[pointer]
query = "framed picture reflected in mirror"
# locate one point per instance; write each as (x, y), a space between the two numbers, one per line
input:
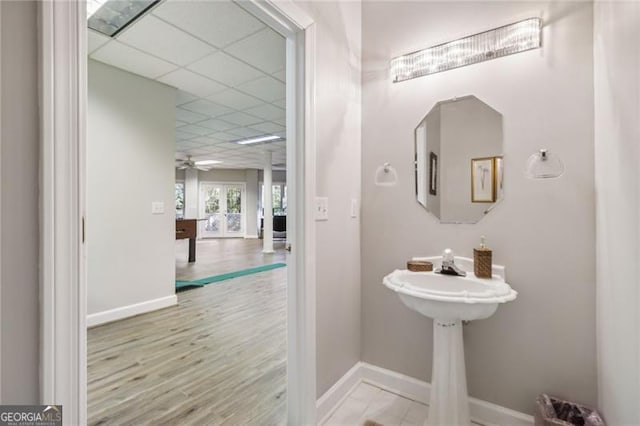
(483, 180)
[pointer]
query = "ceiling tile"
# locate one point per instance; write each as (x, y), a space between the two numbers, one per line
(217, 22)
(183, 145)
(165, 41)
(188, 116)
(264, 50)
(280, 75)
(266, 88)
(282, 103)
(245, 132)
(184, 97)
(95, 40)
(225, 136)
(234, 99)
(268, 127)
(127, 58)
(198, 130)
(266, 112)
(180, 123)
(182, 135)
(225, 69)
(241, 119)
(217, 125)
(208, 140)
(281, 121)
(191, 82)
(202, 106)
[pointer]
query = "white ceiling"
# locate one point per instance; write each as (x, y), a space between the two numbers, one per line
(228, 68)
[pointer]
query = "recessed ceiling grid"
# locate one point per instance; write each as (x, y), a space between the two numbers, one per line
(228, 68)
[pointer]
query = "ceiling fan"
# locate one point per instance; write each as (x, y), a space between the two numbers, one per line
(188, 163)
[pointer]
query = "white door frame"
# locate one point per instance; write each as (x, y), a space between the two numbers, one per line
(243, 208)
(63, 96)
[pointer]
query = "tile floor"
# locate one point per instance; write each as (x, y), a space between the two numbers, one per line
(367, 402)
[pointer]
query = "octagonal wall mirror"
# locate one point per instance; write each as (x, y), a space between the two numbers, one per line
(459, 160)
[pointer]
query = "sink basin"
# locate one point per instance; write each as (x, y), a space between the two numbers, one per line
(449, 300)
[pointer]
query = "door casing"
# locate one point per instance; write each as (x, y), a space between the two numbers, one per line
(63, 102)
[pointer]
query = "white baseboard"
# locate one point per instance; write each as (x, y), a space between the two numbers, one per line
(482, 412)
(250, 237)
(131, 310)
(331, 399)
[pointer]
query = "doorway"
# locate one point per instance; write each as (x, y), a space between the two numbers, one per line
(222, 206)
(63, 98)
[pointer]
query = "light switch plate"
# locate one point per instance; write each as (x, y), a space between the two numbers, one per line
(354, 207)
(322, 208)
(157, 207)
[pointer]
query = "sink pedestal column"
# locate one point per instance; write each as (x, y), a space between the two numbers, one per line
(449, 404)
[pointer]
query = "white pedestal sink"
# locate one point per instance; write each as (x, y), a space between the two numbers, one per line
(449, 300)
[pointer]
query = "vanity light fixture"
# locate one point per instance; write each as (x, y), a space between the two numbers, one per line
(513, 38)
(110, 17)
(544, 165)
(259, 139)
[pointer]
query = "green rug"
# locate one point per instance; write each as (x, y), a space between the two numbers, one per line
(229, 275)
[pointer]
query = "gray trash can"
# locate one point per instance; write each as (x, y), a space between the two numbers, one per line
(551, 411)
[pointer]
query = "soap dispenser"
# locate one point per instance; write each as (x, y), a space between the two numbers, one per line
(482, 260)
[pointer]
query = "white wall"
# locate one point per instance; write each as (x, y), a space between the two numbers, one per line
(617, 138)
(130, 164)
(543, 231)
(338, 151)
(19, 322)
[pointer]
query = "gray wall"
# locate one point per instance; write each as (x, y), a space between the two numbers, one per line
(543, 231)
(338, 153)
(617, 136)
(19, 188)
(130, 251)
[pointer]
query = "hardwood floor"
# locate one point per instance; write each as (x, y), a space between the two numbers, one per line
(219, 357)
(219, 256)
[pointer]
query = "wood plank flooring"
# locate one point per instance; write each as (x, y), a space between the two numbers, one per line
(219, 357)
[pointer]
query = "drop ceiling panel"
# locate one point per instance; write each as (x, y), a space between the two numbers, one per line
(245, 132)
(191, 82)
(223, 68)
(241, 119)
(217, 125)
(234, 99)
(127, 58)
(165, 41)
(184, 97)
(266, 112)
(208, 108)
(266, 88)
(281, 75)
(228, 68)
(95, 40)
(198, 130)
(217, 22)
(188, 116)
(264, 50)
(268, 127)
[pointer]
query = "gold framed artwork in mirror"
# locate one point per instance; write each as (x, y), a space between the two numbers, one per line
(483, 180)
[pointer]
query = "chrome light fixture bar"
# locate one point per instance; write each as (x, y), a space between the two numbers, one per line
(259, 139)
(513, 38)
(110, 17)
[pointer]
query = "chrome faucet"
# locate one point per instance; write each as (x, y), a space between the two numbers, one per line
(448, 265)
